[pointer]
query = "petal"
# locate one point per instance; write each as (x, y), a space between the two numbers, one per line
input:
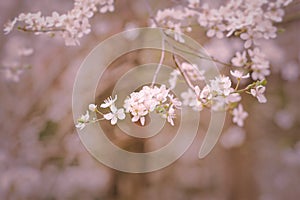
(104, 105)
(92, 107)
(113, 108)
(108, 116)
(261, 98)
(121, 114)
(210, 33)
(135, 118)
(248, 44)
(114, 120)
(253, 92)
(142, 119)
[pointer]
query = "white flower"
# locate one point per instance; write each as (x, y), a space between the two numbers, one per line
(114, 115)
(260, 71)
(139, 114)
(108, 102)
(92, 107)
(260, 66)
(170, 115)
(239, 74)
(188, 96)
(175, 101)
(239, 115)
(107, 6)
(196, 104)
(258, 92)
(216, 30)
(251, 37)
(206, 93)
(221, 85)
(240, 59)
(233, 97)
(82, 121)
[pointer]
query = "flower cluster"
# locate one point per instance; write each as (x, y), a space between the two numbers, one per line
(219, 95)
(248, 19)
(71, 26)
(177, 20)
(150, 99)
(139, 105)
(255, 59)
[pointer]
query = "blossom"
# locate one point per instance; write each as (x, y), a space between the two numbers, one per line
(239, 115)
(82, 121)
(188, 96)
(260, 71)
(239, 74)
(108, 102)
(217, 31)
(205, 94)
(92, 107)
(240, 59)
(139, 114)
(174, 101)
(221, 85)
(258, 92)
(250, 37)
(106, 6)
(233, 97)
(171, 115)
(114, 115)
(260, 66)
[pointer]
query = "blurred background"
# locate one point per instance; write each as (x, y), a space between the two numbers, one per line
(41, 156)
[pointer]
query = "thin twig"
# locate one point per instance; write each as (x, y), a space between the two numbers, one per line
(40, 31)
(160, 62)
(185, 76)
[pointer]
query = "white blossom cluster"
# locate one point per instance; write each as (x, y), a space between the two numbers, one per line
(255, 59)
(139, 105)
(71, 26)
(248, 19)
(219, 94)
(150, 99)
